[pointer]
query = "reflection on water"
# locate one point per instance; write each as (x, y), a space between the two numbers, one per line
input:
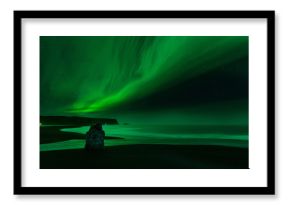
(153, 134)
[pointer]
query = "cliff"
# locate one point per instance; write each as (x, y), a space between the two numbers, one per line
(72, 120)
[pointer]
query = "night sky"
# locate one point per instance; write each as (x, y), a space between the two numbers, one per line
(151, 79)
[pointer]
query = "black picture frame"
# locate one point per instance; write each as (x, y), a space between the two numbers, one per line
(268, 15)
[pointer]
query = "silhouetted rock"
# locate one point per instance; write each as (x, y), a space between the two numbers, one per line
(95, 138)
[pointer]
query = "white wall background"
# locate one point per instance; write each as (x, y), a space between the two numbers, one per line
(282, 98)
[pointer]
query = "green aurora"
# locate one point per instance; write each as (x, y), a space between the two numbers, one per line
(146, 79)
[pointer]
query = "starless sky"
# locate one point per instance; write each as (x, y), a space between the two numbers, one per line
(146, 79)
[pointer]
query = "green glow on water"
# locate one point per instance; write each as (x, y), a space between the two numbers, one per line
(178, 135)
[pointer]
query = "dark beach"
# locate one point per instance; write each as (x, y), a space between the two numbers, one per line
(148, 157)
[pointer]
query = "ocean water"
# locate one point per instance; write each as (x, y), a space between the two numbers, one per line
(234, 136)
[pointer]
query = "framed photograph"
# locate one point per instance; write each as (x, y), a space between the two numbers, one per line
(144, 102)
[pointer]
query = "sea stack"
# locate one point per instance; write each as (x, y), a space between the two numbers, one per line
(95, 138)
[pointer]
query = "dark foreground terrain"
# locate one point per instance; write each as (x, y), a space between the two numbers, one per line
(148, 157)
